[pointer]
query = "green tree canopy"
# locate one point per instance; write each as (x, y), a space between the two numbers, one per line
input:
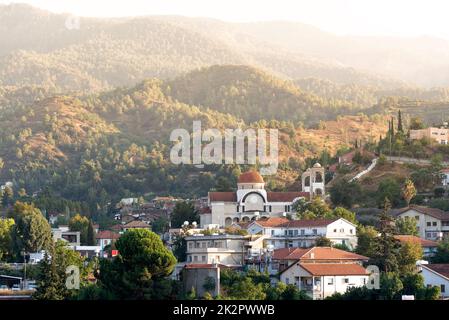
(32, 231)
(139, 270)
(184, 211)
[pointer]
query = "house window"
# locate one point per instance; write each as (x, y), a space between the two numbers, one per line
(197, 244)
(351, 231)
(269, 208)
(363, 281)
(428, 224)
(290, 244)
(189, 259)
(203, 258)
(290, 233)
(272, 232)
(190, 245)
(345, 280)
(287, 280)
(303, 232)
(335, 230)
(417, 218)
(295, 232)
(342, 230)
(443, 288)
(195, 258)
(330, 281)
(314, 231)
(434, 223)
(238, 208)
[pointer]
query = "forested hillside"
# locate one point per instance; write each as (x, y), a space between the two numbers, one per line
(38, 49)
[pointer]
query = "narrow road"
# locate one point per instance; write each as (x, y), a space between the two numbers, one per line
(366, 171)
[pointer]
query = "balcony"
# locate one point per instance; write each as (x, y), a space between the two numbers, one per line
(211, 250)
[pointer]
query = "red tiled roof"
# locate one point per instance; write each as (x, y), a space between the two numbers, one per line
(136, 224)
(223, 196)
(117, 227)
(276, 222)
(272, 196)
(289, 253)
(272, 222)
(205, 210)
(107, 235)
(250, 177)
(309, 223)
(433, 212)
(285, 196)
(334, 269)
(415, 239)
(441, 268)
(316, 253)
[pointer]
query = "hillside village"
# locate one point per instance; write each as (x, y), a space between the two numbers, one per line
(314, 243)
(92, 207)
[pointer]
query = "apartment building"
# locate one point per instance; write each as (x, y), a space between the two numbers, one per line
(432, 223)
(225, 249)
(285, 233)
(440, 135)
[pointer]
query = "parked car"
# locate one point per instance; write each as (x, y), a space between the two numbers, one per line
(4, 287)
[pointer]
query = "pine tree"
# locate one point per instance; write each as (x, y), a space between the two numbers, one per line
(48, 280)
(386, 247)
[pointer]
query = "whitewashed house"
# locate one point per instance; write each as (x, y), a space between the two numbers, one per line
(432, 223)
(436, 275)
(320, 271)
(285, 233)
(321, 280)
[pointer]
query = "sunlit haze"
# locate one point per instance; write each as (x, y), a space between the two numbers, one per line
(356, 17)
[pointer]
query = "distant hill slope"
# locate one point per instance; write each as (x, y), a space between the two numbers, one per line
(38, 49)
(253, 95)
(99, 148)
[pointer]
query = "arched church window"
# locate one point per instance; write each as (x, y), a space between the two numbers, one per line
(307, 181)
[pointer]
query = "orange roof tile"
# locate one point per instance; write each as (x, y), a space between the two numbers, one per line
(441, 268)
(276, 222)
(223, 196)
(415, 239)
(107, 235)
(334, 269)
(433, 212)
(316, 253)
(286, 196)
(136, 224)
(250, 177)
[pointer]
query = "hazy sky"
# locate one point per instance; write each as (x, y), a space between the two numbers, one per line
(373, 17)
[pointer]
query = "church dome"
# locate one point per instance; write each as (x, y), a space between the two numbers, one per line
(250, 177)
(317, 165)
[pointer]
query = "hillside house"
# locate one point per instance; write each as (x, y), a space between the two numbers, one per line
(432, 223)
(285, 233)
(437, 275)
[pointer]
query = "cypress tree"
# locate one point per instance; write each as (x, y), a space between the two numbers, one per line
(400, 127)
(90, 234)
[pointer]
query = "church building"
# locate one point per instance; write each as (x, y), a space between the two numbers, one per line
(251, 201)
